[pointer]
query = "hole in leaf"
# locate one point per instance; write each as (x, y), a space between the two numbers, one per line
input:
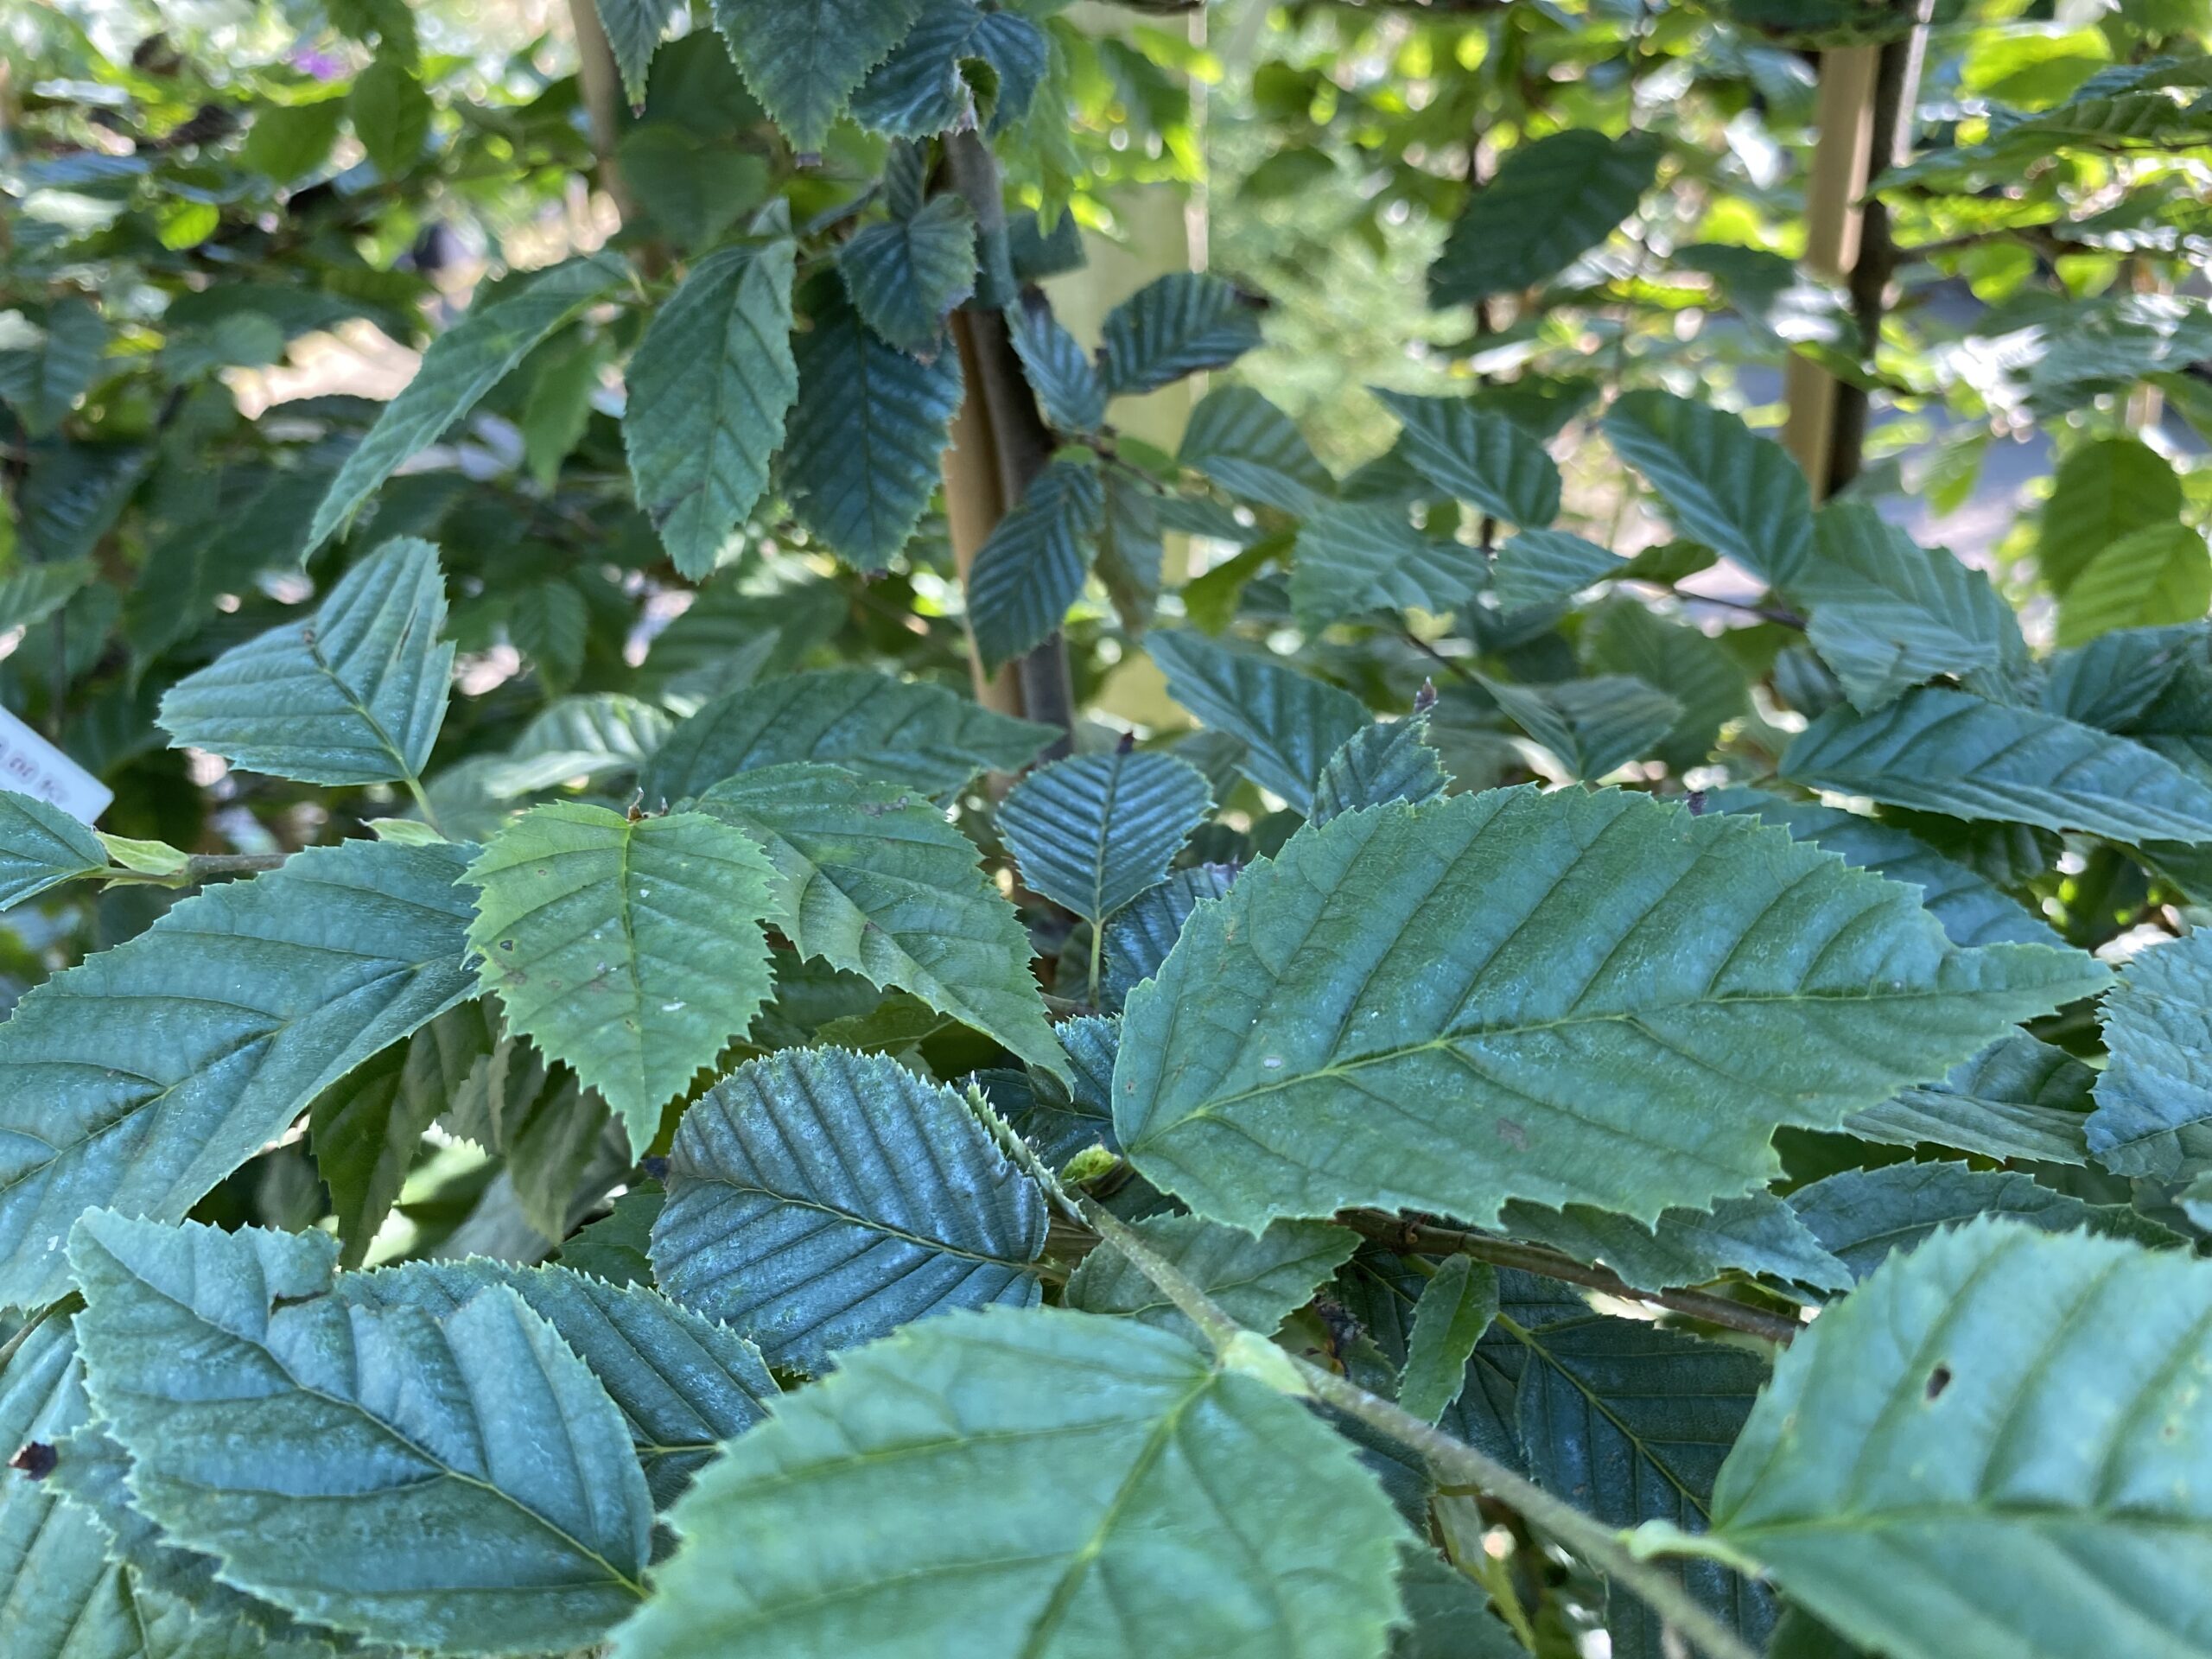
(1938, 1380)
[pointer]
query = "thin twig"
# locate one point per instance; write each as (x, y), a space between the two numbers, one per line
(1419, 1238)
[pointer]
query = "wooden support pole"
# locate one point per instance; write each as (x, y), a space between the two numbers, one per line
(1845, 110)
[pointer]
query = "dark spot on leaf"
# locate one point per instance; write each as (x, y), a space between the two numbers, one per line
(1512, 1133)
(1695, 802)
(275, 1302)
(1938, 1380)
(506, 944)
(37, 1459)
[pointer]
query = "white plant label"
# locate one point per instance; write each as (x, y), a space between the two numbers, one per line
(31, 765)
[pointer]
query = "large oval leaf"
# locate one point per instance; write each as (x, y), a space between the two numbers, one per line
(1094, 832)
(1551, 202)
(1115, 1493)
(1569, 998)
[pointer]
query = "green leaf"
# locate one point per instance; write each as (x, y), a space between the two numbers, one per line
(461, 366)
(819, 1198)
(1592, 727)
(1760, 1234)
(634, 28)
(217, 1358)
(2018, 1098)
(631, 949)
(1862, 1216)
(353, 694)
(2103, 491)
(550, 623)
(615, 1248)
(1092, 832)
(1254, 451)
(1391, 760)
(31, 593)
(1630, 1422)
(870, 424)
(59, 1598)
(1972, 908)
(1132, 553)
(1259, 1282)
(1551, 202)
(1139, 939)
(907, 274)
(1180, 324)
(2154, 1098)
(1889, 613)
(802, 59)
(1741, 495)
(321, 964)
(2117, 678)
(1076, 1450)
(2158, 574)
(691, 188)
(1451, 1317)
(1059, 370)
(905, 731)
(559, 407)
(1290, 724)
(1987, 1451)
(1034, 564)
(1943, 751)
(1353, 558)
(1568, 998)
(1539, 566)
(711, 388)
(41, 847)
(43, 381)
(1447, 1616)
(871, 879)
(367, 1127)
(1476, 454)
(918, 90)
(392, 115)
(682, 1382)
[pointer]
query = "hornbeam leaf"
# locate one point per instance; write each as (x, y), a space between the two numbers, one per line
(906, 731)
(871, 878)
(1972, 908)
(1451, 1317)
(1624, 636)
(1889, 613)
(2102, 492)
(354, 694)
(1391, 760)
(1760, 1234)
(1861, 1216)
(381, 1470)
(1258, 1283)
(1447, 1614)
(1591, 726)
(1567, 998)
(31, 593)
(246, 1002)
(2154, 1098)
(918, 90)
(870, 422)
(1254, 451)
(1477, 454)
(1034, 564)
(461, 366)
(1992, 1448)
(1112, 1498)
(59, 1596)
(1741, 495)
(907, 274)
(2117, 678)
(1539, 566)
(802, 59)
(41, 847)
(1139, 939)
(1553, 201)
(818, 1198)
(1059, 370)
(367, 1127)
(2018, 1098)
(1352, 559)
(1092, 832)
(634, 28)
(632, 949)
(1176, 324)
(2159, 574)
(1943, 751)
(1290, 724)
(682, 1383)
(1630, 1422)
(711, 387)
